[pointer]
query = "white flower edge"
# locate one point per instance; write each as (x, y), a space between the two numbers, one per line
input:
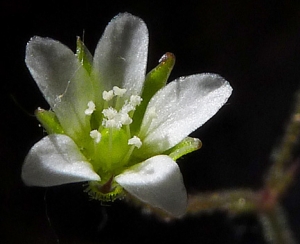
(56, 160)
(121, 54)
(59, 76)
(158, 182)
(120, 60)
(180, 108)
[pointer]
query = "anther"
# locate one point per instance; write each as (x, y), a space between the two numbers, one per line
(125, 119)
(107, 95)
(96, 135)
(91, 108)
(127, 108)
(111, 123)
(135, 141)
(135, 100)
(110, 113)
(119, 91)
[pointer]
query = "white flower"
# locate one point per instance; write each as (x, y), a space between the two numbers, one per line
(113, 126)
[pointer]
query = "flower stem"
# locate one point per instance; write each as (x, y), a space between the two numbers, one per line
(284, 164)
(276, 227)
(234, 201)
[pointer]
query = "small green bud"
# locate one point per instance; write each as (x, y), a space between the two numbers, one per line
(84, 55)
(49, 121)
(184, 147)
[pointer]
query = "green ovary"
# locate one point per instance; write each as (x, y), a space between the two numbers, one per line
(110, 152)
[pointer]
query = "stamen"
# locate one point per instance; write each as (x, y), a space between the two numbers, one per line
(107, 95)
(91, 108)
(125, 119)
(127, 108)
(135, 141)
(96, 135)
(110, 113)
(118, 91)
(135, 100)
(112, 123)
(112, 119)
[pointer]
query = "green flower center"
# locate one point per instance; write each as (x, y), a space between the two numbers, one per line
(111, 144)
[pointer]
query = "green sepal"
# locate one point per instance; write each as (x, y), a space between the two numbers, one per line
(157, 77)
(154, 81)
(184, 147)
(107, 192)
(49, 121)
(84, 56)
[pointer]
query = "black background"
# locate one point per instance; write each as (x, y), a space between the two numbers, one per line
(253, 44)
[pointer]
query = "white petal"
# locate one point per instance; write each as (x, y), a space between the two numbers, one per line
(121, 54)
(181, 107)
(56, 160)
(64, 83)
(158, 182)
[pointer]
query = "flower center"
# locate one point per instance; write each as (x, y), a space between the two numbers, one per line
(112, 143)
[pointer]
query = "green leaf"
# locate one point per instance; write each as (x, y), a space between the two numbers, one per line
(154, 81)
(84, 55)
(49, 121)
(184, 147)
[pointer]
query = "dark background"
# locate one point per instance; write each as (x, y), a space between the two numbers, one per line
(253, 44)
